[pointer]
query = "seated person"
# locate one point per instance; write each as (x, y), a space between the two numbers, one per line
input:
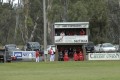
(82, 32)
(62, 34)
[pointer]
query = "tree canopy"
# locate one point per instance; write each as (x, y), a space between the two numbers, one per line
(24, 22)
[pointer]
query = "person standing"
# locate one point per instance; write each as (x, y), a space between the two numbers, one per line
(60, 57)
(75, 56)
(37, 56)
(70, 52)
(52, 55)
(66, 58)
(81, 56)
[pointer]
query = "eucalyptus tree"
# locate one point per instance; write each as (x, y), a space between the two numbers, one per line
(31, 21)
(91, 11)
(98, 18)
(36, 15)
(7, 23)
(114, 19)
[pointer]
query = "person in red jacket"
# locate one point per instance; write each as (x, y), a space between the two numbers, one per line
(81, 56)
(37, 56)
(82, 32)
(66, 58)
(75, 56)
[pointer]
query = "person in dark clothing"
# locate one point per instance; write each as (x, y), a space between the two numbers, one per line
(60, 57)
(70, 52)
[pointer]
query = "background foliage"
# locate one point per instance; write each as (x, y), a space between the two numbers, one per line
(24, 22)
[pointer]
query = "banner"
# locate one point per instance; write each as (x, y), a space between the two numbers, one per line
(104, 56)
(24, 54)
(71, 39)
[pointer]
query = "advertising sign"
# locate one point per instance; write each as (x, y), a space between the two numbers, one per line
(28, 54)
(18, 54)
(71, 39)
(24, 54)
(104, 56)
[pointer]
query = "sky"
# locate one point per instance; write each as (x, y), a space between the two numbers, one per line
(15, 1)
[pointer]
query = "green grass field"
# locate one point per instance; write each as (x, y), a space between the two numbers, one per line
(85, 70)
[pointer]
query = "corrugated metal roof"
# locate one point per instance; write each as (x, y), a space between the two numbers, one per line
(57, 23)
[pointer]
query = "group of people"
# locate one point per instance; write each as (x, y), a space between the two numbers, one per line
(75, 54)
(65, 55)
(78, 56)
(51, 53)
(72, 32)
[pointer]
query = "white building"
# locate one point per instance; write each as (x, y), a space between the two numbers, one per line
(70, 35)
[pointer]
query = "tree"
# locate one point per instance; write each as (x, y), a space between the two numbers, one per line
(7, 23)
(31, 29)
(103, 16)
(80, 11)
(114, 19)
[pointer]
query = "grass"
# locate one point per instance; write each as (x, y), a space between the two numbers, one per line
(85, 70)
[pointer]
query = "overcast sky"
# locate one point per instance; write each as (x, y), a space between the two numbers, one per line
(15, 1)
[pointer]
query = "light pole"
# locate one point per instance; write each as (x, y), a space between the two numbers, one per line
(17, 20)
(45, 31)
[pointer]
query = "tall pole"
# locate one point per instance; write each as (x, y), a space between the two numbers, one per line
(45, 30)
(17, 21)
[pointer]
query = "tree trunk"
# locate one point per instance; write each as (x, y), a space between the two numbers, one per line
(65, 10)
(32, 34)
(50, 27)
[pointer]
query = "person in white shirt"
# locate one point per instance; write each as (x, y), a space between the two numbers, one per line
(62, 34)
(52, 55)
